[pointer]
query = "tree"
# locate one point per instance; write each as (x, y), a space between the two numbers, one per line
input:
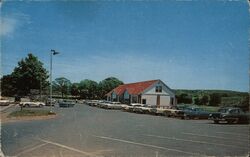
(184, 98)
(215, 99)
(107, 85)
(244, 104)
(75, 89)
(29, 74)
(7, 85)
(204, 100)
(88, 89)
(197, 101)
(62, 85)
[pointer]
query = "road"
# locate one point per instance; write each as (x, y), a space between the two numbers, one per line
(88, 131)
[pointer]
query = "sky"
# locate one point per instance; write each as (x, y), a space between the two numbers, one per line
(186, 44)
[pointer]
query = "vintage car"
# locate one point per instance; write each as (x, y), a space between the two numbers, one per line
(230, 115)
(4, 102)
(66, 103)
(32, 104)
(51, 102)
(173, 113)
(195, 113)
(132, 107)
(113, 105)
(145, 109)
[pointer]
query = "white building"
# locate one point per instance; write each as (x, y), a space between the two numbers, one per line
(153, 92)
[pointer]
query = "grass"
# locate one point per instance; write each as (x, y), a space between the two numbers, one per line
(25, 113)
(210, 108)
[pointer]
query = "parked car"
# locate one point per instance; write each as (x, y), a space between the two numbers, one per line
(103, 104)
(157, 111)
(113, 105)
(127, 108)
(145, 109)
(4, 102)
(53, 102)
(195, 113)
(32, 104)
(230, 115)
(131, 107)
(135, 107)
(173, 113)
(66, 103)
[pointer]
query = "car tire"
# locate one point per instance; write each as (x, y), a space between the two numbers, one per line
(216, 121)
(229, 121)
(237, 120)
(40, 105)
(26, 105)
(186, 116)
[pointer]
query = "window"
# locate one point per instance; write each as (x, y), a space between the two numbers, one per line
(158, 89)
(234, 111)
(143, 101)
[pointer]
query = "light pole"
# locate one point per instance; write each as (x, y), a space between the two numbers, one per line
(53, 52)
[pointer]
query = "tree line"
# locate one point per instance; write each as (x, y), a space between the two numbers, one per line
(215, 99)
(29, 74)
(85, 89)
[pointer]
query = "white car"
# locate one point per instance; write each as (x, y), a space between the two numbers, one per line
(32, 104)
(115, 106)
(130, 108)
(5, 102)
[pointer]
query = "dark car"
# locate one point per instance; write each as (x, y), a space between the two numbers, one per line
(66, 104)
(195, 113)
(230, 115)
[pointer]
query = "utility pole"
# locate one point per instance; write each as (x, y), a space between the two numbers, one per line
(53, 52)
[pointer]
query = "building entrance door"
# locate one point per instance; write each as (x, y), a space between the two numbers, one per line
(158, 101)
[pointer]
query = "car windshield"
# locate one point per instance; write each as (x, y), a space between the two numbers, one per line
(223, 110)
(198, 109)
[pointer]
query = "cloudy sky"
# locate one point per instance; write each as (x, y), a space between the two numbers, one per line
(188, 45)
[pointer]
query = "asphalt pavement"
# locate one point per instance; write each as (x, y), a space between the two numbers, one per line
(89, 131)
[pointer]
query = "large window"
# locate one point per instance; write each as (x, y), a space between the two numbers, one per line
(158, 89)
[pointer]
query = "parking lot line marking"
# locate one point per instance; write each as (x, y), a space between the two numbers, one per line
(101, 151)
(192, 134)
(67, 147)
(229, 133)
(147, 145)
(31, 149)
(194, 141)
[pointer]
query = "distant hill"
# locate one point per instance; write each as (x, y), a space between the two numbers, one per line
(199, 92)
(219, 98)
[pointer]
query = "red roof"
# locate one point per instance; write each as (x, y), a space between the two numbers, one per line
(133, 88)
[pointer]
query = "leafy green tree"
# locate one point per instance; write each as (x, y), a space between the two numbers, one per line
(244, 105)
(88, 89)
(107, 85)
(184, 98)
(29, 74)
(215, 99)
(75, 91)
(7, 86)
(204, 100)
(197, 101)
(62, 85)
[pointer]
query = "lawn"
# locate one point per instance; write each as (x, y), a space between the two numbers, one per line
(210, 108)
(23, 113)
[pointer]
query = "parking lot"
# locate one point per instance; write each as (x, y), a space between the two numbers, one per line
(88, 131)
